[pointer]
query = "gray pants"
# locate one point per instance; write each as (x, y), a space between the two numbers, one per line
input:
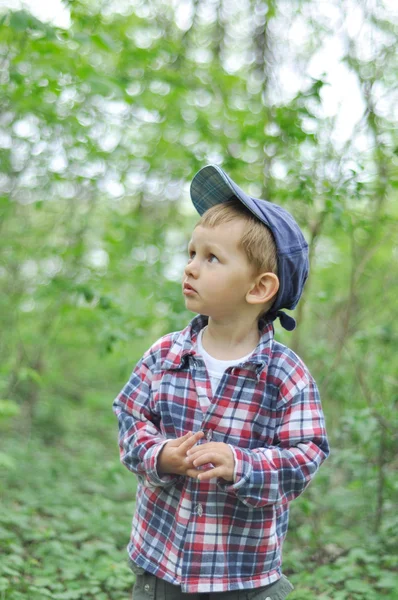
(149, 587)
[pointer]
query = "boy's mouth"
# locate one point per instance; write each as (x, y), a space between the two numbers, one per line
(188, 289)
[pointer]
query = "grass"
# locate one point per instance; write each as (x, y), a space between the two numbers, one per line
(65, 521)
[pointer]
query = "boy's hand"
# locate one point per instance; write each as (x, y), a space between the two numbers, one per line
(172, 458)
(218, 454)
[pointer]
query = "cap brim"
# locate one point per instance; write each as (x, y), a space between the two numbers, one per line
(211, 186)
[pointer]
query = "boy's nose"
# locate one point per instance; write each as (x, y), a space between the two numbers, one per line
(191, 268)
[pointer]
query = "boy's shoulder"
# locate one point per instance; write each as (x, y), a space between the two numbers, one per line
(160, 349)
(283, 357)
(168, 351)
(287, 371)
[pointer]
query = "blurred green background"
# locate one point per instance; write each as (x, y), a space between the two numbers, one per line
(104, 119)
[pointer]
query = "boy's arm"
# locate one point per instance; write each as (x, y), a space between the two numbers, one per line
(279, 473)
(140, 440)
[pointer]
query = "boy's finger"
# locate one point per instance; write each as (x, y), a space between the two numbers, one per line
(204, 459)
(210, 474)
(204, 448)
(191, 473)
(191, 441)
(178, 441)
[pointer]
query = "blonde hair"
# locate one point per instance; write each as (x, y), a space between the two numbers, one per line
(257, 241)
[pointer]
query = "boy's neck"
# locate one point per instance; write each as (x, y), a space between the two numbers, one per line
(230, 340)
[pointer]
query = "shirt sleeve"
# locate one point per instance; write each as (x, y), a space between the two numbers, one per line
(281, 472)
(140, 438)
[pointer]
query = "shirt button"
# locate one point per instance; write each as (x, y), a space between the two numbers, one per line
(147, 587)
(199, 510)
(209, 435)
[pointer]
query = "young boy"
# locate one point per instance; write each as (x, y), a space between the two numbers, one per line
(221, 423)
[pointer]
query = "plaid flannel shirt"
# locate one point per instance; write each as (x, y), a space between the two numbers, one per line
(216, 536)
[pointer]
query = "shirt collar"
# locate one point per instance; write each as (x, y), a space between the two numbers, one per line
(184, 345)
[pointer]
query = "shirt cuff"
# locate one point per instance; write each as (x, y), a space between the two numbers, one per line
(151, 464)
(242, 470)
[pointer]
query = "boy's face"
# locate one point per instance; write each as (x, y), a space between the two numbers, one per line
(218, 274)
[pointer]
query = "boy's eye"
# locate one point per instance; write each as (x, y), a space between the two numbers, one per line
(191, 254)
(213, 258)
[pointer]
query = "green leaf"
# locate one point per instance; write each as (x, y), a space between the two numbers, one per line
(20, 20)
(27, 373)
(358, 586)
(105, 303)
(388, 581)
(6, 461)
(105, 41)
(4, 584)
(8, 408)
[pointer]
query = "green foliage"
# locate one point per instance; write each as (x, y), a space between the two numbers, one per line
(102, 126)
(8, 408)
(64, 520)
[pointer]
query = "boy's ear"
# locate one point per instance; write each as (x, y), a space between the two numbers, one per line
(264, 288)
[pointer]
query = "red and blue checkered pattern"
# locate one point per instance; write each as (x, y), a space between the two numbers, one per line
(216, 536)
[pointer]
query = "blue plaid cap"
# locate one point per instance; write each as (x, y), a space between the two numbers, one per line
(211, 186)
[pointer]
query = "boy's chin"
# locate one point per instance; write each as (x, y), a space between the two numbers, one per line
(195, 311)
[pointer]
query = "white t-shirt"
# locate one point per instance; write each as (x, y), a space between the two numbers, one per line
(215, 367)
